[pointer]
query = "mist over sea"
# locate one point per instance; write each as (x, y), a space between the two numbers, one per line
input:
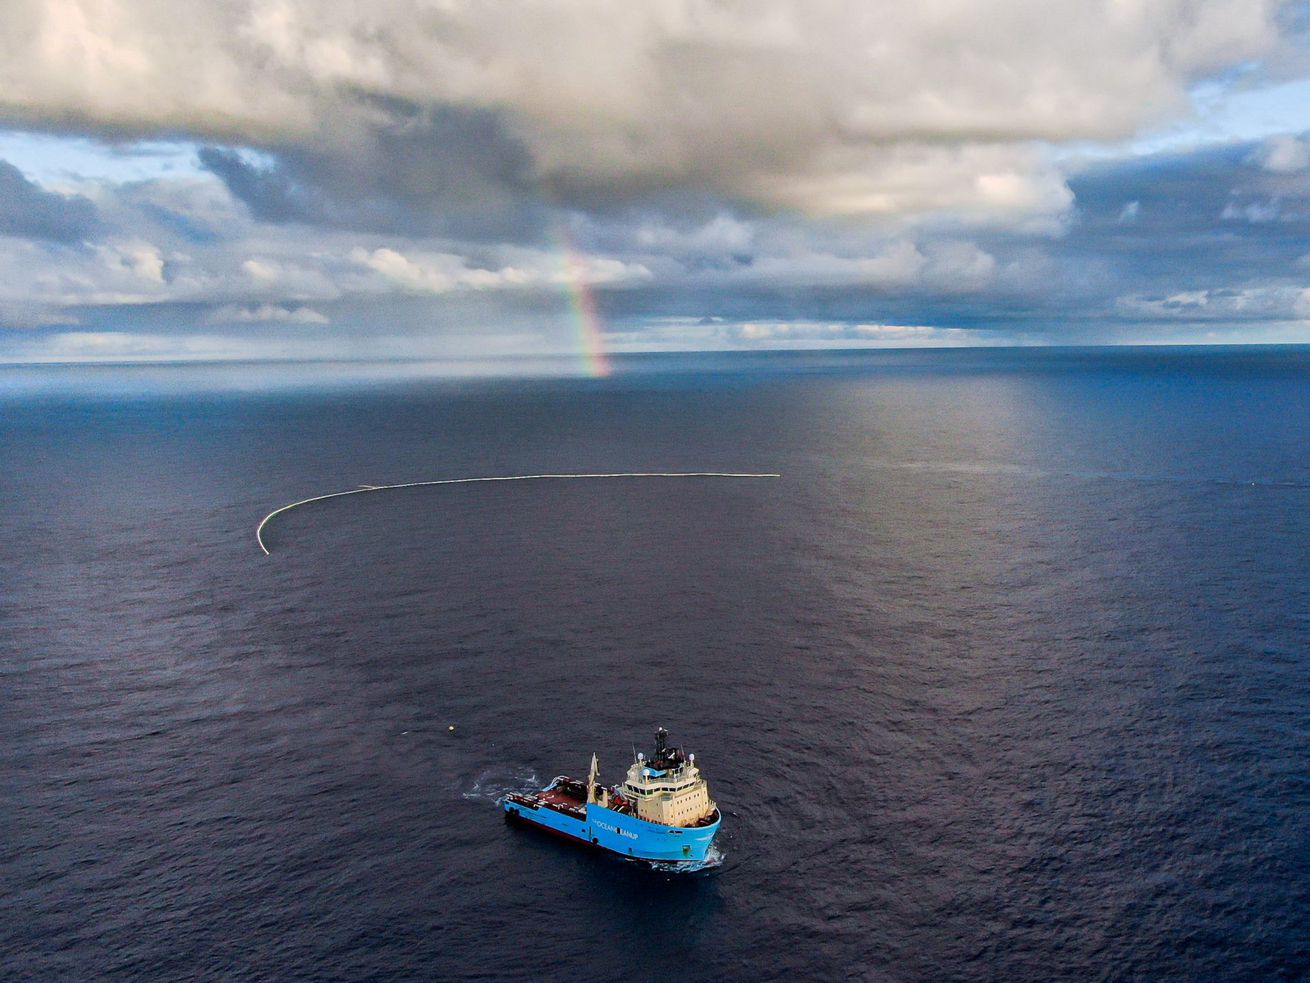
(1006, 678)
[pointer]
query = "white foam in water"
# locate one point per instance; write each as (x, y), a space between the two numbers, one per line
(493, 786)
(714, 857)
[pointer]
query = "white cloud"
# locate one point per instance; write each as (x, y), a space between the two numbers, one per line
(878, 109)
(434, 274)
(1285, 154)
(135, 346)
(142, 259)
(957, 267)
(975, 182)
(309, 276)
(440, 273)
(698, 334)
(818, 334)
(264, 313)
(20, 315)
(40, 276)
(1254, 211)
(898, 263)
(1264, 303)
(723, 233)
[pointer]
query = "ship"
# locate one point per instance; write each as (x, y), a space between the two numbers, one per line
(661, 813)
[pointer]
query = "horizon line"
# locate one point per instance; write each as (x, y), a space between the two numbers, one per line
(637, 354)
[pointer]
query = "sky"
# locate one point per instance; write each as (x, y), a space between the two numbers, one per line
(427, 179)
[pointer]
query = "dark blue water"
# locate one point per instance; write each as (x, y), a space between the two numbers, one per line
(1005, 679)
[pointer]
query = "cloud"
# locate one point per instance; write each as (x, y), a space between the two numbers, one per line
(411, 174)
(440, 273)
(433, 273)
(724, 233)
(270, 193)
(898, 263)
(412, 170)
(138, 346)
(886, 110)
(265, 313)
(804, 333)
(28, 211)
(190, 245)
(18, 315)
(1285, 154)
(1201, 223)
(1265, 303)
(975, 182)
(721, 334)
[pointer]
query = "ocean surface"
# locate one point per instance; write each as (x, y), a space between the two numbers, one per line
(1006, 678)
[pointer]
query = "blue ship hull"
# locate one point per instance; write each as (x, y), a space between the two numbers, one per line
(620, 833)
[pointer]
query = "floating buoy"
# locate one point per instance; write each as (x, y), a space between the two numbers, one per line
(363, 489)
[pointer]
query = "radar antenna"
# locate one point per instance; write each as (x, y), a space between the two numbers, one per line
(662, 756)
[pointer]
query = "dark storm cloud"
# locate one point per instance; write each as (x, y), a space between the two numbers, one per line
(436, 171)
(1215, 223)
(1217, 234)
(29, 212)
(270, 192)
(1191, 218)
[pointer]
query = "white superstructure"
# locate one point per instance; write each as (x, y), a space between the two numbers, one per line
(668, 789)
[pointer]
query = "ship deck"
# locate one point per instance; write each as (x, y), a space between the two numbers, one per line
(566, 795)
(558, 798)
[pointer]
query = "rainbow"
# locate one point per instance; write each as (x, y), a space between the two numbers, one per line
(582, 305)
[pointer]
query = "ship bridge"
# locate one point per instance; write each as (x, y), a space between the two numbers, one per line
(668, 788)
